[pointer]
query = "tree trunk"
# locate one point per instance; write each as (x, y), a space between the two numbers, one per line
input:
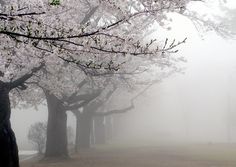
(84, 122)
(77, 113)
(99, 130)
(56, 144)
(8, 146)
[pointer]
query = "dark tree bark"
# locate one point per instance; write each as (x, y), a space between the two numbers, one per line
(83, 131)
(84, 122)
(8, 145)
(56, 144)
(99, 130)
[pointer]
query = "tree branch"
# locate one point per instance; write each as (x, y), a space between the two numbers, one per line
(87, 99)
(74, 95)
(83, 97)
(20, 81)
(117, 111)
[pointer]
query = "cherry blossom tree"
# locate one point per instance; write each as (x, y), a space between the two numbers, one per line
(9, 150)
(61, 96)
(97, 109)
(93, 35)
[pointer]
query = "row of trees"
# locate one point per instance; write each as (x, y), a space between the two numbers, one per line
(77, 54)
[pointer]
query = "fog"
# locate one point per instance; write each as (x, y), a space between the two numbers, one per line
(195, 106)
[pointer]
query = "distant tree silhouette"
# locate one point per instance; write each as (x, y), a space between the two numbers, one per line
(37, 135)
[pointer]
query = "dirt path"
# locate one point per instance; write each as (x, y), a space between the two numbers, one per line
(145, 156)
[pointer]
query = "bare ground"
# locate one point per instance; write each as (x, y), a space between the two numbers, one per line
(194, 155)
